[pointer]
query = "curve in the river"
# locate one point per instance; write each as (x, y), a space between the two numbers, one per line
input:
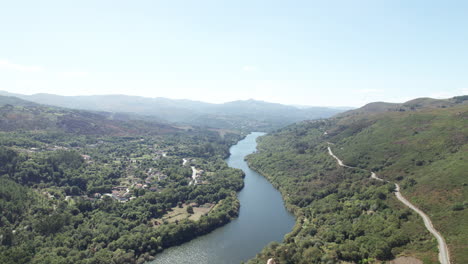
(262, 219)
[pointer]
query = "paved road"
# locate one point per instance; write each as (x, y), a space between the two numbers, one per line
(444, 257)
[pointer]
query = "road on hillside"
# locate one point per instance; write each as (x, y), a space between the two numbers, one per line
(194, 176)
(444, 257)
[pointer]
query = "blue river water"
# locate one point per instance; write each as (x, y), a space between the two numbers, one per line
(262, 219)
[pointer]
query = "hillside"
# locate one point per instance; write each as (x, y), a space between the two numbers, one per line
(412, 105)
(18, 114)
(420, 144)
(84, 187)
(248, 115)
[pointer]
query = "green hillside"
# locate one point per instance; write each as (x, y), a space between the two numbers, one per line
(342, 214)
(82, 187)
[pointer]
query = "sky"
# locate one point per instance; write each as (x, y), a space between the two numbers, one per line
(320, 53)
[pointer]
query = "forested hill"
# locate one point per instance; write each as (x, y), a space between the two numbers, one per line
(343, 214)
(86, 187)
(247, 115)
(18, 114)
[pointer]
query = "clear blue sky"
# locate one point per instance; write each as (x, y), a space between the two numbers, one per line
(294, 52)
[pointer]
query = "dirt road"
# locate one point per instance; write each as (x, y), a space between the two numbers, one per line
(444, 257)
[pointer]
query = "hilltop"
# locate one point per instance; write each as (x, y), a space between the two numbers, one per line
(412, 105)
(343, 214)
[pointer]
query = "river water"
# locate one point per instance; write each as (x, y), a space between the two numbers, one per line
(262, 219)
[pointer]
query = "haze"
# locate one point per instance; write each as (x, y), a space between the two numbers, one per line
(322, 53)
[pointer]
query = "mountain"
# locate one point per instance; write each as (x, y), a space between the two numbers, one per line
(5, 100)
(345, 215)
(412, 105)
(240, 115)
(17, 114)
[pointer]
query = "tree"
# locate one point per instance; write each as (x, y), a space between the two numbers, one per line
(7, 237)
(190, 209)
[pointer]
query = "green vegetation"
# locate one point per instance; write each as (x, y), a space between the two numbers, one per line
(79, 187)
(190, 209)
(87, 187)
(342, 214)
(246, 116)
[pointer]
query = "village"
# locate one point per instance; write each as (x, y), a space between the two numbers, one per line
(130, 185)
(138, 177)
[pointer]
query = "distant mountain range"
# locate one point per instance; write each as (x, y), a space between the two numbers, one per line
(21, 115)
(240, 115)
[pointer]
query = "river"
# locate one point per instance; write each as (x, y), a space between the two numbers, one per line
(262, 219)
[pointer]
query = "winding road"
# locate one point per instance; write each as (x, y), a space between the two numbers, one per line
(194, 172)
(444, 257)
(194, 176)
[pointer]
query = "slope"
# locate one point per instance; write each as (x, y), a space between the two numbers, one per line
(421, 145)
(82, 187)
(17, 114)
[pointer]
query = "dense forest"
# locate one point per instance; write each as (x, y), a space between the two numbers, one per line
(81, 187)
(96, 187)
(343, 214)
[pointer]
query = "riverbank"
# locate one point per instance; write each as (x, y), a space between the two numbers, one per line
(262, 219)
(342, 214)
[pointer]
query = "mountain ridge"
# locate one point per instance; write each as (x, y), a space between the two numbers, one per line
(18, 114)
(416, 104)
(240, 115)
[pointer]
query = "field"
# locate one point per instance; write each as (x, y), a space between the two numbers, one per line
(180, 213)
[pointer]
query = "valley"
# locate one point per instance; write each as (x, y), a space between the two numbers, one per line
(233, 132)
(84, 187)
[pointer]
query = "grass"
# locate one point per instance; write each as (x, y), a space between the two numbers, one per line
(178, 214)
